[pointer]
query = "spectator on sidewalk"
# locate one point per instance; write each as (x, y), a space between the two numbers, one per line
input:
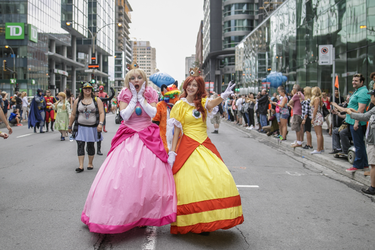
(295, 103)
(14, 117)
(317, 118)
(215, 120)
(239, 110)
(25, 104)
(340, 136)
(326, 100)
(251, 111)
(1, 101)
(263, 102)
(370, 139)
(284, 112)
(358, 101)
(371, 86)
(234, 109)
(307, 116)
(269, 129)
(19, 103)
(4, 96)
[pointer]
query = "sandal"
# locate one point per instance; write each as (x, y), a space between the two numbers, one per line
(90, 168)
(79, 170)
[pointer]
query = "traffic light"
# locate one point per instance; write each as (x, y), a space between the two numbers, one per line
(17, 88)
(5, 65)
(93, 81)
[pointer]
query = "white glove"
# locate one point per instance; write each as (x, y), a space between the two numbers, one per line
(141, 91)
(133, 90)
(171, 158)
(228, 91)
(151, 111)
(128, 111)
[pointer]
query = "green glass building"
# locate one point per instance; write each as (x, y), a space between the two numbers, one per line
(288, 42)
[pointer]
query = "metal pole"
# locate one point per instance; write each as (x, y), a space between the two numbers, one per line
(333, 82)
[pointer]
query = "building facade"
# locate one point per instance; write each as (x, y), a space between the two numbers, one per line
(123, 44)
(190, 62)
(199, 46)
(49, 44)
(145, 56)
(225, 24)
(288, 42)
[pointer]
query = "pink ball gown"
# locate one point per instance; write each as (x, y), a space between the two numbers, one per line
(135, 185)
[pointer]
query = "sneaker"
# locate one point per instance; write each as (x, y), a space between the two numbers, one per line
(215, 132)
(316, 152)
(369, 190)
(251, 127)
(296, 145)
(351, 170)
(19, 125)
(306, 147)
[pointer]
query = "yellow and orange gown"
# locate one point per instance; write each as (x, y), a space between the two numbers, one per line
(207, 196)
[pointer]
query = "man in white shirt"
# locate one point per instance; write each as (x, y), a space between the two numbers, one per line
(239, 107)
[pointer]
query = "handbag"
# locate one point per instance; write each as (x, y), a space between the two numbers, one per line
(325, 111)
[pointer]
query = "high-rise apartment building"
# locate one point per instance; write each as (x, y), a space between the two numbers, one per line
(123, 44)
(145, 56)
(199, 46)
(225, 24)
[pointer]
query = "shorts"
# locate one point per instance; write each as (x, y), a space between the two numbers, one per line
(371, 154)
(216, 119)
(307, 125)
(318, 121)
(13, 121)
(285, 116)
(296, 123)
(278, 117)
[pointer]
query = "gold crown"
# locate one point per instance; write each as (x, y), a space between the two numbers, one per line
(194, 71)
(134, 65)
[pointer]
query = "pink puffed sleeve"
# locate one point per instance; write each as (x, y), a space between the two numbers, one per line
(125, 95)
(151, 95)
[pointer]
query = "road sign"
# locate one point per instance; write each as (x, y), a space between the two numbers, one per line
(93, 66)
(325, 54)
(13, 81)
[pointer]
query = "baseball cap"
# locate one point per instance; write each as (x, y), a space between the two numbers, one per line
(87, 85)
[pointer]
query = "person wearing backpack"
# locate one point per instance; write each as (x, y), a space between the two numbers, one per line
(88, 117)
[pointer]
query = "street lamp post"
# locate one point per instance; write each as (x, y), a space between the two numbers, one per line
(93, 36)
(14, 59)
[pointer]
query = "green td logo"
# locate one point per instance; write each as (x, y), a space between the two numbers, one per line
(14, 31)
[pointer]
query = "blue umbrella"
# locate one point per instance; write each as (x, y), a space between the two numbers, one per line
(161, 78)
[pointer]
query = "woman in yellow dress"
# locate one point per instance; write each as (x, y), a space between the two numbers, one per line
(207, 195)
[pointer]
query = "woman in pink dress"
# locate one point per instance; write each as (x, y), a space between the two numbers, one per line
(135, 185)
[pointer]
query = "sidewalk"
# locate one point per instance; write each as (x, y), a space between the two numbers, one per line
(338, 165)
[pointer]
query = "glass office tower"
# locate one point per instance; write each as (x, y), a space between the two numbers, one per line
(288, 42)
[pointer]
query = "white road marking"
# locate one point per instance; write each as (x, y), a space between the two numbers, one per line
(294, 173)
(150, 243)
(247, 186)
(20, 136)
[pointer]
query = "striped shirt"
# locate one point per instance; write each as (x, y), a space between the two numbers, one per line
(306, 109)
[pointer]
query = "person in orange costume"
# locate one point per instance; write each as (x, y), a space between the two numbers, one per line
(163, 109)
(50, 113)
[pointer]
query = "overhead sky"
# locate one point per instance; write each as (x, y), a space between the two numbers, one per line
(172, 27)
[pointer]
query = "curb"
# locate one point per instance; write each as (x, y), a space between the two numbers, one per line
(326, 160)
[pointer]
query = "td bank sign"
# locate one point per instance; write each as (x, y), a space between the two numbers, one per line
(16, 31)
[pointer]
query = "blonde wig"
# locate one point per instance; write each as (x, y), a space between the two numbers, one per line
(133, 72)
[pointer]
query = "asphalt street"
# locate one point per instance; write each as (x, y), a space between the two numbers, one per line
(288, 203)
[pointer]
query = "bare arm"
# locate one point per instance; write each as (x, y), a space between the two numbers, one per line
(175, 138)
(74, 113)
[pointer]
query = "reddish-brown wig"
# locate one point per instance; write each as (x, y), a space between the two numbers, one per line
(201, 93)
